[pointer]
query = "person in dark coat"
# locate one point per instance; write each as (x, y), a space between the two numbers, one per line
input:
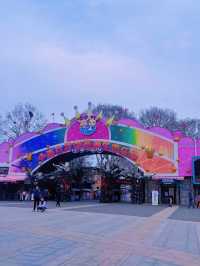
(58, 195)
(36, 198)
(191, 200)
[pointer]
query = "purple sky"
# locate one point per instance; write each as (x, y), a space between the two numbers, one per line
(55, 54)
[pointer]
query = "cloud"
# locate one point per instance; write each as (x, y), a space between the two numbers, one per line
(91, 70)
(132, 53)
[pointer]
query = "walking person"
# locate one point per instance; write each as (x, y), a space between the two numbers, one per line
(36, 198)
(58, 196)
(191, 199)
(23, 195)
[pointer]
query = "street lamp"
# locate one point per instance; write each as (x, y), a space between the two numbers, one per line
(195, 137)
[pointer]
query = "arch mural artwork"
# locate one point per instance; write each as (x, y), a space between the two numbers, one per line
(156, 151)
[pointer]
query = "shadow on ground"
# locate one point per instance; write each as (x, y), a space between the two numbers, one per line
(129, 209)
(186, 214)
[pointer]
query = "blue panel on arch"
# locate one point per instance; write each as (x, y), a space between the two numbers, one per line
(40, 142)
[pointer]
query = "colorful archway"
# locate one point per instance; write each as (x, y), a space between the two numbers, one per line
(156, 151)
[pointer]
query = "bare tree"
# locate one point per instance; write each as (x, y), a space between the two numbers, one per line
(158, 117)
(113, 168)
(2, 137)
(109, 110)
(71, 170)
(190, 127)
(23, 118)
(76, 168)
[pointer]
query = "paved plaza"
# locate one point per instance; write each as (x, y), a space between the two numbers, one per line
(91, 234)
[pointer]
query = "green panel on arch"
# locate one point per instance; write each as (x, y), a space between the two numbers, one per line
(123, 134)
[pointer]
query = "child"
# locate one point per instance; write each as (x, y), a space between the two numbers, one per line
(42, 205)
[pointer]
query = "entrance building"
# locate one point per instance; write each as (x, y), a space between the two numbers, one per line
(165, 158)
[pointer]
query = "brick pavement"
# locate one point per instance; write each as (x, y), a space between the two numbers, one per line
(59, 237)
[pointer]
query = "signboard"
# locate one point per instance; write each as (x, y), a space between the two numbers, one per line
(167, 181)
(154, 197)
(3, 170)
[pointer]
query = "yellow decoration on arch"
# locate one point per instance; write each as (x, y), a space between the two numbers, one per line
(29, 156)
(109, 121)
(149, 152)
(78, 115)
(67, 122)
(99, 116)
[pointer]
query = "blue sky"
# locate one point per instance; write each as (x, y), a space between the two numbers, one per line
(136, 53)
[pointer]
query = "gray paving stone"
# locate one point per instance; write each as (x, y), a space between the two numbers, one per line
(180, 236)
(92, 236)
(144, 210)
(185, 214)
(143, 261)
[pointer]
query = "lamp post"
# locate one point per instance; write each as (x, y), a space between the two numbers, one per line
(195, 137)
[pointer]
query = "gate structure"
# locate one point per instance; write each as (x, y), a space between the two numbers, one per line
(156, 151)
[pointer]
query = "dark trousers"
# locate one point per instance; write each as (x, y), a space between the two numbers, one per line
(58, 198)
(36, 203)
(191, 204)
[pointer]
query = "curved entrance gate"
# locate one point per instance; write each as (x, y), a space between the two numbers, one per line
(150, 151)
(157, 152)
